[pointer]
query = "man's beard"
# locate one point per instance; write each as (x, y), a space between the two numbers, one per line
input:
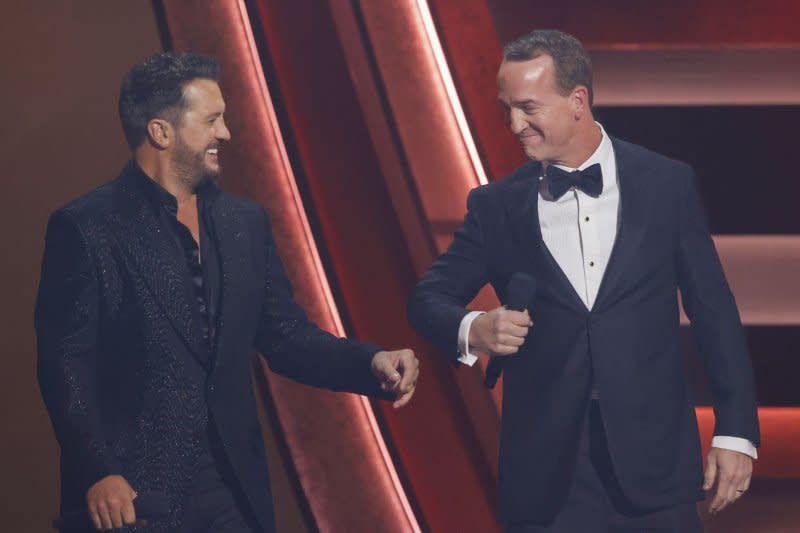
(191, 166)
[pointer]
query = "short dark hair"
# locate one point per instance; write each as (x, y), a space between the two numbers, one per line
(154, 89)
(573, 66)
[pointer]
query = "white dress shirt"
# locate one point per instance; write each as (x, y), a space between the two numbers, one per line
(579, 232)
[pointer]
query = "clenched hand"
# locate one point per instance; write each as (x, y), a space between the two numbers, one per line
(110, 503)
(398, 372)
(500, 331)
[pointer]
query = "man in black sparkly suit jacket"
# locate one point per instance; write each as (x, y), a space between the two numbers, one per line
(155, 289)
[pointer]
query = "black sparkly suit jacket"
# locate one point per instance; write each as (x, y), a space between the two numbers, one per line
(123, 368)
(626, 347)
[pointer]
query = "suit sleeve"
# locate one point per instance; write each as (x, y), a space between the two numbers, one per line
(438, 303)
(66, 320)
(297, 348)
(711, 308)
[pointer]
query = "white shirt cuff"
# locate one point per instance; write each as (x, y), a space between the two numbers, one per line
(467, 357)
(736, 444)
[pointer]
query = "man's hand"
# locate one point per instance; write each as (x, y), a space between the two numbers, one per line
(500, 331)
(398, 372)
(110, 502)
(731, 470)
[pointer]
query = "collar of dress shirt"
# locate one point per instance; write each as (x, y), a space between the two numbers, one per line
(598, 156)
(603, 154)
(161, 198)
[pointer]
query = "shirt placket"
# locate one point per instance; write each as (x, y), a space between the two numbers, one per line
(582, 243)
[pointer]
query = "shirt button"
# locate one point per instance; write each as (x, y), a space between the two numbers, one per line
(591, 263)
(586, 219)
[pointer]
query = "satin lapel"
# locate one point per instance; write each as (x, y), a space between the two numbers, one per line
(158, 261)
(522, 207)
(235, 266)
(632, 220)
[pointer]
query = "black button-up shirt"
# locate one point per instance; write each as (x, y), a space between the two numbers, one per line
(202, 261)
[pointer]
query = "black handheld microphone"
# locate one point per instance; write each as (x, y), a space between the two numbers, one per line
(520, 292)
(148, 506)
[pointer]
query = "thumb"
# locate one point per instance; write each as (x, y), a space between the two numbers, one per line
(711, 471)
(386, 369)
(528, 316)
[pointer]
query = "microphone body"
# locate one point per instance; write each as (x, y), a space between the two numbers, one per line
(148, 506)
(519, 295)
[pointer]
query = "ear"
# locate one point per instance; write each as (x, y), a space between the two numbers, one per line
(160, 133)
(580, 101)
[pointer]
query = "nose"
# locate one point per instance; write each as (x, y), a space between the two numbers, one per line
(516, 121)
(223, 133)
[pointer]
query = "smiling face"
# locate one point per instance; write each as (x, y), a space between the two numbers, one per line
(198, 132)
(545, 120)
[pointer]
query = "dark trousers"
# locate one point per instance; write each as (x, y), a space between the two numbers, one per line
(595, 502)
(216, 503)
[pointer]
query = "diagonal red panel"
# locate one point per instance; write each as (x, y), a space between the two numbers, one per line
(338, 452)
(474, 53)
(419, 91)
(365, 100)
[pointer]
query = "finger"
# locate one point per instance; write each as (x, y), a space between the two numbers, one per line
(510, 340)
(409, 365)
(115, 513)
(723, 503)
(739, 481)
(105, 518)
(128, 513)
(387, 371)
(403, 399)
(711, 472)
(530, 320)
(739, 485)
(502, 350)
(509, 328)
(518, 318)
(95, 519)
(724, 492)
(733, 494)
(717, 503)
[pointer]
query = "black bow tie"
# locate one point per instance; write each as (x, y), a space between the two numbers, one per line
(589, 180)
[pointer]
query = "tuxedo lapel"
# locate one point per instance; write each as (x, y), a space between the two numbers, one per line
(523, 218)
(149, 249)
(633, 216)
(522, 207)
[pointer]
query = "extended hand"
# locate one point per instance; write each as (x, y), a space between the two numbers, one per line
(731, 470)
(500, 331)
(110, 502)
(398, 372)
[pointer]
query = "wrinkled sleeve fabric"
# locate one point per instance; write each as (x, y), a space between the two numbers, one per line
(66, 321)
(436, 308)
(297, 348)
(717, 328)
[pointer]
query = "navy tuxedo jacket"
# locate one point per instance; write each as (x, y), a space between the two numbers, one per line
(123, 368)
(627, 346)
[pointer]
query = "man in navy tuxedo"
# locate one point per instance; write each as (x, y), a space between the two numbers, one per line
(598, 430)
